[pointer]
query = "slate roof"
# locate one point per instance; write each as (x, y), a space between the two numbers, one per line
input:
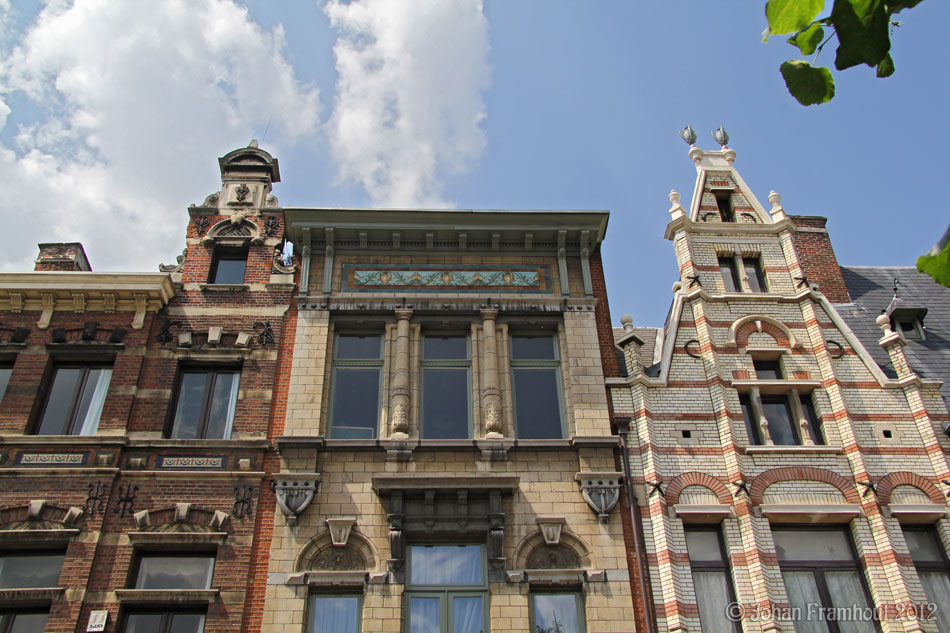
(872, 288)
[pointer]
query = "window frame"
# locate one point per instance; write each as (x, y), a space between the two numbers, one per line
(356, 364)
(213, 370)
(445, 593)
(139, 555)
(711, 566)
(76, 399)
(760, 279)
(800, 407)
(942, 566)
(223, 252)
(578, 603)
(8, 617)
(446, 365)
(553, 365)
(819, 567)
(5, 365)
(727, 212)
(913, 333)
(729, 262)
(313, 597)
(29, 552)
(166, 616)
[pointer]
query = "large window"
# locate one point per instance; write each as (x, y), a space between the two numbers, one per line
(164, 622)
(162, 571)
(31, 570)
(228, 265)
(933, 569)
(536, 383)
(74, 400)
(557, 613)
(753, 270)
(730, 274)
(707, 561)
(329, 613)
(23, 621)
(819, 567)
(447, 589)
(446, 387)
(206, 402)
(784, 413)
(729, 268)
(357, 372)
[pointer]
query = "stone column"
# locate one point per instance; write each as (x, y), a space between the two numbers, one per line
(491, 394)
(400, 388)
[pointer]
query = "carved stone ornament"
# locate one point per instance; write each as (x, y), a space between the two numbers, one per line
(279, 267)
(601, 491)
(551, 528)
(241, 192)
(340, 528)
(338, 559)
(493, 419)
(295, 491)
(175, 268)
(553, 557)
(400, 418)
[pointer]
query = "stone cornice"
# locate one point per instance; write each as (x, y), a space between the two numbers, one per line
(727, 229)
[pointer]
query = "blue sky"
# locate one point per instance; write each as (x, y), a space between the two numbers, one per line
(112, 117)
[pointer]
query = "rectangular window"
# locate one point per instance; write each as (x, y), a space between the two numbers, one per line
(206, 402)
(174, 572)
(447, 589)
(6, 371)
(536, 386)
(730, 275)
(933, 569)
(767, 370)
(32, 570)
(228, 265)
(819, 567)
(164, 622)
(724, 204)
(778, 412)
(911, 328)
(446, 387)
(557, 613)
(23, 621)
(74, 400)
(357, 375)
(334, 614)
(808, 409)
(710, 570)
(753, 271)
(750, 419)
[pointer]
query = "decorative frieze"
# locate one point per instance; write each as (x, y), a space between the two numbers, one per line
(421, 277)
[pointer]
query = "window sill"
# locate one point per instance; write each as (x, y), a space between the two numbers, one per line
(809, 513)
(166, 596)
(65, 440)
(776, 386)
(554, 577)
(787, 449)
(177, 538)
(36, 537)
(224, 287)
(707, 514)
(288, 442)
(908, 513)
(199, 444)
(39, 595)
(329, 579)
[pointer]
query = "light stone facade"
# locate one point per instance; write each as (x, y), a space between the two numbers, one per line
(493, 488)
(880, 460)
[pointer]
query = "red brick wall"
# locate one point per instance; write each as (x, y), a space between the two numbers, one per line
(818, 259)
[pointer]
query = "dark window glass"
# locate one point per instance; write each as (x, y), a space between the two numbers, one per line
(165, 622)
(174, 572)
(933, 569)
(30, 571)
(556, 613)
(536, 386)
(358, 347)
(533, 348)
(711, 579)
(334, 614)
(207, 399)
(23, 622)
(5, 372)
(910, 329)
(228, 266)
(767, 369)
(819, 567)
(445, 348)
(74, 401)
(447, 589)
(748, 416)
(753, 271)
(808, 408)
(445, 387)
(779, 415)
(354, 399)
(730, 276)
(725, 206)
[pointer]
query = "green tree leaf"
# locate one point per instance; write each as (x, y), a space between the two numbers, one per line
(809, 39)
(899, 5)
(886, 67)
(808, 84)
(790, 16)
(861, 26)
(937, 266)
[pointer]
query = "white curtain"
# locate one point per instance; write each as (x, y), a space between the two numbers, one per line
(847, 591)
(334, 614)
(712, 594)
(555, 613)
(447, 565)
(803, 591)
(90, 423)
(467, 614)
(424, 615)
(232, 403)
(937, 587)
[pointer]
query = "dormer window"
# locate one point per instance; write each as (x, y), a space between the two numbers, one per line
(911, 328)
(228, 265)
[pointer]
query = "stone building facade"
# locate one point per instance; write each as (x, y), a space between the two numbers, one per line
(784, 475)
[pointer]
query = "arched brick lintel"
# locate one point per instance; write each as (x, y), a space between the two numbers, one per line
(693, 478)
(903, 478)
(799, 473)
(740, 330)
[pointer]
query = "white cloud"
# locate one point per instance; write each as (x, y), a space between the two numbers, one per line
(130, 104)
(408, 103)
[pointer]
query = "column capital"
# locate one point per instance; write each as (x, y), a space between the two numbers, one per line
(488, 314)
(403, 314)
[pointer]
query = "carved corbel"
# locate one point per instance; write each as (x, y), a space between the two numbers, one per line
(48, 303)
(551, 528)
(601, 491)
(340, 528)
(141, 303)
(295, 491)
(108, 302)
(16, 302)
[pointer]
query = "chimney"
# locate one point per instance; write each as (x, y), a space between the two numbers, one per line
(59, 256)
(817, 257)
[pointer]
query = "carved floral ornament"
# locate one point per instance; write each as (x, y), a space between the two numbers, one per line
(601, 491)
(295, 491)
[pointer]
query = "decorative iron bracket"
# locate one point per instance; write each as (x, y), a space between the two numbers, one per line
(601, 491)
(295, 491)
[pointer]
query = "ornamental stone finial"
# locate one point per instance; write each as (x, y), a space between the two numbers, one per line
(677, 209)
(721, 136)
(778, 211)
(775, 199)
(689, 135)
(627, 322)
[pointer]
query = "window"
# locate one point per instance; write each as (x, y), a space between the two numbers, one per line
(334, 614)
(557, 613)
(819, 567)
(206, 402)
(31, 570)
(228, 265)
(447, 589)
(191, 571)
(707, 561)
(357, 374)
(536, 386)
(446, 381)
(164, 622)
(933, 569)
(5, 372)
(726, 213)
(910, 328)
(753, 271)
(74, 400)
(730, 274)
(767, 369)
(24, 621)
(784, 413)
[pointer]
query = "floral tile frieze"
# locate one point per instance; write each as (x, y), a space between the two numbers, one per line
(198, 462)
(52, 459)
(434, 278)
